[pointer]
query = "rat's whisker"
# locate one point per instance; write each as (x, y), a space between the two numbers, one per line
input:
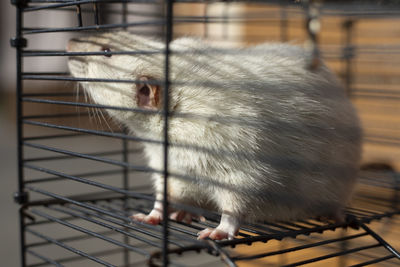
(105, 119)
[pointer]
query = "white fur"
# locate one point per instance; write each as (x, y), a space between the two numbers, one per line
(289, 150)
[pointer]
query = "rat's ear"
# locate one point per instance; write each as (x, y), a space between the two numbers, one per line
(147, 95)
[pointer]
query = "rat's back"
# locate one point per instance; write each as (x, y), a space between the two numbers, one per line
(292, 134)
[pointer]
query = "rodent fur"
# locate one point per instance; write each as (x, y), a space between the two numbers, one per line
(297, 134)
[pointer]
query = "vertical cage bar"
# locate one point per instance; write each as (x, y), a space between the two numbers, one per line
(22, 237)
(206, 19)
(283, 22)
(21, 194)
(168, 39)
(124, 13)
(348, 54)
(312, 25)
(125, 159)
(79, 15)
(225, 20)
(96, 13)
(125, 181)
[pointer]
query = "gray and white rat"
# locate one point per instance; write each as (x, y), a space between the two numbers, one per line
(291, 140)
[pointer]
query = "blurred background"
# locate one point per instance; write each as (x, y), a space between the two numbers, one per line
(361, 43)
(9, 249)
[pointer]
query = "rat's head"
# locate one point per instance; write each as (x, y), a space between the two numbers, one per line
(127, 63)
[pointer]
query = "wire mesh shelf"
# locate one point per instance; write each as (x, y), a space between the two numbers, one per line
(110, 216)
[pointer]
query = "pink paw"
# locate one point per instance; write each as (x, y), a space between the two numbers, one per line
(184, 216)
(214, 234)
(154, 217)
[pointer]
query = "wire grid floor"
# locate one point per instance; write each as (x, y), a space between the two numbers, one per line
(110, 216)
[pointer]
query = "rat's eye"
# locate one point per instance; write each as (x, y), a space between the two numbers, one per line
(106, 50)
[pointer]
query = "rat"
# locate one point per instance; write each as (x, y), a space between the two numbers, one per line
(265, 137)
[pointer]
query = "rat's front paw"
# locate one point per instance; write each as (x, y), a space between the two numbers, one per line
(154, 217)
(227, 229)
(215, 234)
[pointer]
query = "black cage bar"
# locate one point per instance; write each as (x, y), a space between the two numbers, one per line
(80, 176)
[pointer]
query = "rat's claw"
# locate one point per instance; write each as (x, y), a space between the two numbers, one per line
(201, 218)
(214, 234)
(203, 234)
(153, 218)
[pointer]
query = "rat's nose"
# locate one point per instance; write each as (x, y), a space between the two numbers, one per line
(71, 45)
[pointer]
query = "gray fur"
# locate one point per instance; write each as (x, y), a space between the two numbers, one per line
(288, 140)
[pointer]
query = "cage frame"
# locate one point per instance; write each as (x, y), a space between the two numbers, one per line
(354, 220)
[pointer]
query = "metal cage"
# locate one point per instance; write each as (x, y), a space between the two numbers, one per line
(79, 181)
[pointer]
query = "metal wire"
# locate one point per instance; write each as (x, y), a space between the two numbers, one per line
(110, 205)
(44, 258)
(166, 108)
(76, 251)
(141, 228)
(316, 259)
(79, 258)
